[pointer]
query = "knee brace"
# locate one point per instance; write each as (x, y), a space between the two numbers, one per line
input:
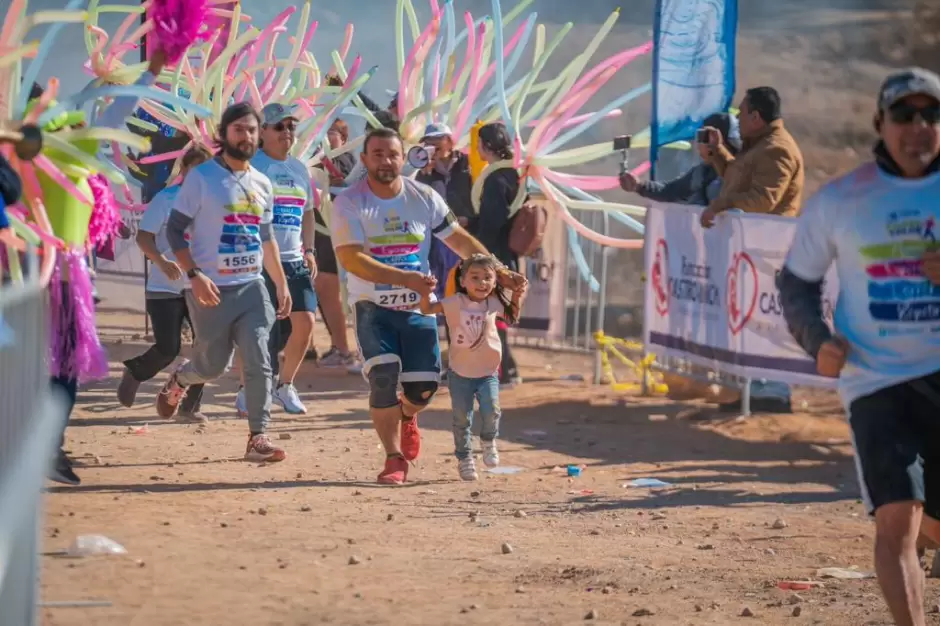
(419, 392)
(383, 385)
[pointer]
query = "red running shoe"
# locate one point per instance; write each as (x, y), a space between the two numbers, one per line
(410, 439)
(395, 472)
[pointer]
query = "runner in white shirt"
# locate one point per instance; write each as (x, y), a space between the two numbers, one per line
(166, 305)
(879, 225)
(293, 227)
(382, 229)
(228, 205)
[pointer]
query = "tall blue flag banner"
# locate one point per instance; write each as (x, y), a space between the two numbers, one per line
(693, 66)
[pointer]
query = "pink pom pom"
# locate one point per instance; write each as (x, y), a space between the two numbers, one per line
(105, 218)
(178, 24)
(75, 350)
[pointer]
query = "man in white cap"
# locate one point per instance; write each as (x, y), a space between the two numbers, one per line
(878, 225)
(293, 226)
(447, 173)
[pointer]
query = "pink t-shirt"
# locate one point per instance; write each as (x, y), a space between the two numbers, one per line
(474, 349)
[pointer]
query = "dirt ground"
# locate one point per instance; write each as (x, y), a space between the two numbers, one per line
(214, 540)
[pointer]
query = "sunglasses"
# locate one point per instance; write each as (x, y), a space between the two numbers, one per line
(282, 126)
(904, 113)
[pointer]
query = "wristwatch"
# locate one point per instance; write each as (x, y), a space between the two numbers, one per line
(310, 251)
(192, 273)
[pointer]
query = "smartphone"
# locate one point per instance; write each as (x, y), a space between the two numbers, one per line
(701, 136)
(622, 142)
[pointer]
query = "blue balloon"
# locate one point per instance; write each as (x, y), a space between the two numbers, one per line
(627, 220)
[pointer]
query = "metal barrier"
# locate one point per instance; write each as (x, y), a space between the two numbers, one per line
(30, 419)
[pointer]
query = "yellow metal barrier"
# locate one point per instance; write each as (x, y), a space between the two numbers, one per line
(644, 368)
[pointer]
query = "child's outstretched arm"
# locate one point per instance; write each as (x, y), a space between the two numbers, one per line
(430, 308)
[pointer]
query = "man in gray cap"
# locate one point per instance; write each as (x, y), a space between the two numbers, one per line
(878, 226)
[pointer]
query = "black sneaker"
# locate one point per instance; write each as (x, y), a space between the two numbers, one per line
(62, 471)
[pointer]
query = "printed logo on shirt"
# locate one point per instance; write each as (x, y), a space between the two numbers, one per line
(289, 202)
(898, 291)
(239, 250)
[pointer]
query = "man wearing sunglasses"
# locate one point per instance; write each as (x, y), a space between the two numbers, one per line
(293, 227)
(877, 224)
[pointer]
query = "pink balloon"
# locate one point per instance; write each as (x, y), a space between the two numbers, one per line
(471, 46)
(463, 114)
(577, 119)
(573, 105)
(581, 229)
(415, 57)
(157, 158)
(592, 183)
(347, 42)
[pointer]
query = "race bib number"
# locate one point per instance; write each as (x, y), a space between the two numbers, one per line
(240, 263)
(398, 299)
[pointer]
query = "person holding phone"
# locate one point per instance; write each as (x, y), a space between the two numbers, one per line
(700, 184)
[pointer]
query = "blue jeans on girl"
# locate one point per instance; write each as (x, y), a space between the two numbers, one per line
(463, 393)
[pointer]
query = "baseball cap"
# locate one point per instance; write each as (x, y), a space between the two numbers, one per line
(434, 131)
(276, 112)
(910, 82)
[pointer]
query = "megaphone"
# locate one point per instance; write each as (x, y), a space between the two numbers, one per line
(27, 141)
(419, 157)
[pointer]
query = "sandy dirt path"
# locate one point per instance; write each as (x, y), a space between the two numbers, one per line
(214, 540)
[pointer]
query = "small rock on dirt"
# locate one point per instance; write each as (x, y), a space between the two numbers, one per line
(643, 613)
(592, 614)
(607, 591)
(474, 494)
(770, 552)
(354, 560)
(779, 524)
(699, 608)
(223, 525)
(262, 511)
(306, 508)
(747, 612)
(520, 589)
(520, 514)
(797, 611)
(935, 609)
(391, 517)
(795, 599)
(284, 436)
(705, 546)
(507, 549)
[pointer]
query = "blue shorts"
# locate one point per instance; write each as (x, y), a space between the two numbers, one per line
(404, 337)
(302, 295)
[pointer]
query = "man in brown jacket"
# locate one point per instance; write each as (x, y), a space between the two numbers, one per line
(767, 176)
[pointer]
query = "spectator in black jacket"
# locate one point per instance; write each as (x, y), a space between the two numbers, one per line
(492, 226)
(699, 185)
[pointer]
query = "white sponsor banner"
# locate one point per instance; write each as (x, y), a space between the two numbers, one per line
(711, 295)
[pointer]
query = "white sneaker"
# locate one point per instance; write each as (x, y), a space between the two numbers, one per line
(287, 396)
(241, 406)
(490, 453)
(467, 469)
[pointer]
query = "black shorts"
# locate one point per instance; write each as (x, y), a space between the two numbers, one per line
(896, 434)
(323, 246)
(302, 295)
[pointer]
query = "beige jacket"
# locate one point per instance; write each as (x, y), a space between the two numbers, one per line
(766, 177)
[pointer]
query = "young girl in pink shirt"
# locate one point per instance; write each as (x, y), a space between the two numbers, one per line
(475, 354)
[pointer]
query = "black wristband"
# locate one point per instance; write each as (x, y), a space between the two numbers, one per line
(310, 251)
(192, 273)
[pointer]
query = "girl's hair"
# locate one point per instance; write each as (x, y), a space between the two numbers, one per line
(195, 156)
(487, 261)
(342, 128)
(495, 138)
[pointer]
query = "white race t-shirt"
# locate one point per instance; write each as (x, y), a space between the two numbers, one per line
(154, 221)
(293, 196)
(876, 228)
(396, 232)
(227, 209)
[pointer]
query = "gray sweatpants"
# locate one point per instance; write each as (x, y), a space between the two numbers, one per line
(243, 318)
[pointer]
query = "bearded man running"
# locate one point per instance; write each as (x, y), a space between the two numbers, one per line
(382, 228)
(227, 206)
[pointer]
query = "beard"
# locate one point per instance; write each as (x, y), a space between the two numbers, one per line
(384, 176)
(240, 152)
